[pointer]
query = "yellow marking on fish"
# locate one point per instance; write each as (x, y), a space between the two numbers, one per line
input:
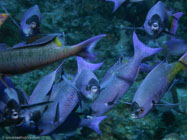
(58, 42)
(177, 68)
(4, 15)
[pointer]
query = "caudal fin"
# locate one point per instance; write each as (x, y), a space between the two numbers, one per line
(174, 24)
(142, 51)
(117, 3)
(183, 59)
(93, 123)
(87, 47)
(82, 64)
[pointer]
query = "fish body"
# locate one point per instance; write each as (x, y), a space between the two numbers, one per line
(86, 81)
(65, 98)
(120, 77)
(9, 105)
(156, 19)
(24, 59)
(30, 22)
(155, 85)
(159, 20)
(41, 92)
(3, 17)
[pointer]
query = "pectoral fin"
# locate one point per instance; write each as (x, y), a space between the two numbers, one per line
(35, 105)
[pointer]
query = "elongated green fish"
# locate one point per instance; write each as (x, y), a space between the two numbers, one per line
(24, 59)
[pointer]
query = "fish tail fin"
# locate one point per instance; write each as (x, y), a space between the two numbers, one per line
(82, 64)
(93, 123)
(183, 59)
(117, 4)
(87, 47)
(174, 24)
(142, 51)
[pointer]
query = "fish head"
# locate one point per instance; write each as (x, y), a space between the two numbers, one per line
(91, 90)
(12, 110)
(154, 26)
(30, 23)
(138, 111)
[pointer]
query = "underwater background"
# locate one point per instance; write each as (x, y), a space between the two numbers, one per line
(82, 19)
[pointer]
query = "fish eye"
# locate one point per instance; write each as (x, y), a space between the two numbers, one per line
(87, 87)
(33, 25)
(14, 115)
(141, 110)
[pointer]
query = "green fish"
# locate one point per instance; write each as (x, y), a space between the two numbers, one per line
(22, 59)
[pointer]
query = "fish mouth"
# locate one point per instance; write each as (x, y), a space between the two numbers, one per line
(15, 115)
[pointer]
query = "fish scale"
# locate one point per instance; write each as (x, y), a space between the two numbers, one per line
(66, 96)
(150, 93)
(120, 77)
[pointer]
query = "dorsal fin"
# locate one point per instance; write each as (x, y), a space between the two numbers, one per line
(34, 38)
(82, 64)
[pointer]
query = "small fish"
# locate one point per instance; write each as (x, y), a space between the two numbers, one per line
(86, 81)
(24, 59)
(30, 22)
(158, 20)
(120, 77)
(11, 108)
(155, 85)
(117, 3)
(3, 17)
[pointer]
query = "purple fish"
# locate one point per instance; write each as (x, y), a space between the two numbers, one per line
(71, 124)
(30, 23)
(13, 105)
(40, 92)
(158, 20)
(120, 77)
(65, 98)
(155, 85)
(117, 3)
(86, 81)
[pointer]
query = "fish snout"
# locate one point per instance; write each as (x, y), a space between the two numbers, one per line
(136, 110)
(15, 114)
(155, 27)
